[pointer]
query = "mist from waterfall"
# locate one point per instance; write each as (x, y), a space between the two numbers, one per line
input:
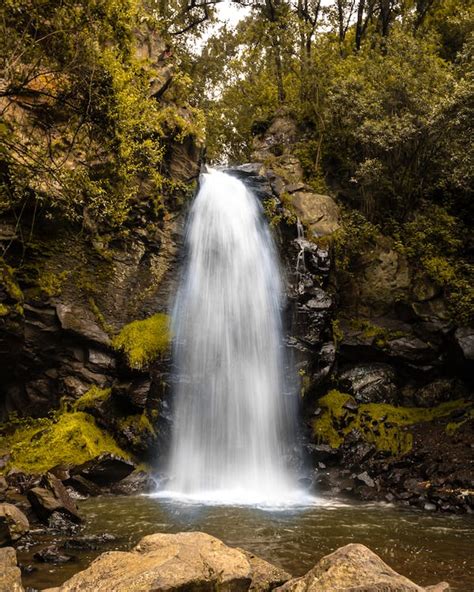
(234, 417)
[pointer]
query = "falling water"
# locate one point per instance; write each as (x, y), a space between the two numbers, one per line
(232, 419)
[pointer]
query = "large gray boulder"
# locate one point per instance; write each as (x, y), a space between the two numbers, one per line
(353, 568)
(10, 575)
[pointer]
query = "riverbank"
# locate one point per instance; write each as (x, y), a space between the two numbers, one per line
(198, 561)
(426, 547)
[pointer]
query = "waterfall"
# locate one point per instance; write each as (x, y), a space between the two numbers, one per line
(233, 421)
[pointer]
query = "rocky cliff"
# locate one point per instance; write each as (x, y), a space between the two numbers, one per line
(385, 371)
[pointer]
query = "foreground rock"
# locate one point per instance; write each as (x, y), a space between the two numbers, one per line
(265, 576)
(191, 561)
(198, 562)
(105, 469)
(50, 497)
(13, 524)
(350, 568)
(10, 575)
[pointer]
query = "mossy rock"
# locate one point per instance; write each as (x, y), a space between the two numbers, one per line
(68, 438)
(386, 426)
(136, 433)
(144, 341)
(92, 399)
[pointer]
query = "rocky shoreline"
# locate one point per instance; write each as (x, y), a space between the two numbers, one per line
(196, 561)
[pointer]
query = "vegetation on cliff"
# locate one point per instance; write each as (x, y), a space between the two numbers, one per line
(143, 341)
(84, 129)
(67, 437)
(386, 426)
(382, 97)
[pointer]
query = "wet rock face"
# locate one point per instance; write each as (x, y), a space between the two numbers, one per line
(369, 383)
(50, 497)
(61, 344)
(104, 470)
(307, 265)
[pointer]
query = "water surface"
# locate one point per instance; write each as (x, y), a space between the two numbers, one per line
(426, 547)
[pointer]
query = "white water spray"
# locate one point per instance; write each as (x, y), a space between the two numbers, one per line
(233, 423)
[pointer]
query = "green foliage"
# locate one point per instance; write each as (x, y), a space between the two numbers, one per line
(143, 341)
(355, 236)
(434, 241)
(381, 424)
(81, 133)
(384, 117)
(68, 437)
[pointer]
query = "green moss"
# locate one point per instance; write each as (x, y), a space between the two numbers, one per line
(89, 399)
(51, 283)
(454, 426)
(381, 424)
(327, 427)
(337, 332)
(379, 336)
(137, 425)
(144, 341)
(100, 317)
(7, 280)
(270, 209)
(72, 438)
(305, 382)
(4, 310)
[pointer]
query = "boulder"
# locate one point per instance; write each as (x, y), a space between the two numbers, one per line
(411, 349)
(83, 486)
(80, 322)
(319, 213)
(51, 496)
(464, 337)
(136, 482)
(350, 568)
(104, 469)
(265, 576)
(51, 554)
(191, 561)
(13, 524)
(439, 391)
(382, 279)
(10, 574)
(369, 383)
